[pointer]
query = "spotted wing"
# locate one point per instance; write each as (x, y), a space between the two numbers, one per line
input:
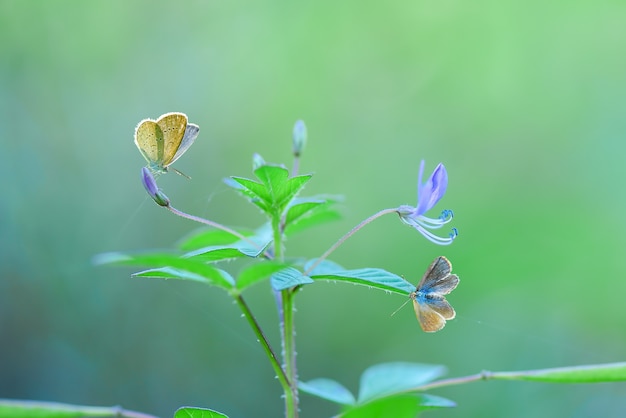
(149, 140)
(173, 126)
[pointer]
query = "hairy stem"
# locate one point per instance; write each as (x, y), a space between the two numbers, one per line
(210, 223)
(287, 329)
(280, 373)
(63, 409)
(348, 235)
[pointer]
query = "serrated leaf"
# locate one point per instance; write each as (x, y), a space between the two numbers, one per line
(402, 405)
(280, 187)
(257, 272)
(209, 236)
(161, 260)
(272, 176)
(293, 187)
(274, 192)
(289, 277)
(170, 273)
(256, 192)
(195, 412)
(328, 389)
(167, 273)
(398, 377)
(610, 372)
(371, 277)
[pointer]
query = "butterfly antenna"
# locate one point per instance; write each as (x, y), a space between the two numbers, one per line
(180, 173)
(401, 306)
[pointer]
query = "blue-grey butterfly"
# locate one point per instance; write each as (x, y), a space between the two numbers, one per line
(431, 307)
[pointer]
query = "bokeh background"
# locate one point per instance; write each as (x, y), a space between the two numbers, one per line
(523, 101)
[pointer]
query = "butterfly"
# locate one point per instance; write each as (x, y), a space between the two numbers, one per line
(163, 141)
(431, 307)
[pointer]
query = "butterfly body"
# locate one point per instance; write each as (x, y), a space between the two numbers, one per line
(431, 307)
(163, 141)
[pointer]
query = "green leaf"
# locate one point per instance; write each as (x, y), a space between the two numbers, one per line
(392, 378)
(371, 277)
(177, 274)
(611, 372)
(256, 192)
(235, 184)
(311, 211)
(323, 268)
(328, 389)
(281, 188)
(173, 262)
(289, 277)
(205, 237)
(323, 214)
(402, 405)
(383, 388)
(253, 246)
(194, 412)
(292, 188)
(170, 273)
(272, 176)
(228, 252)
(36, 409)
(257, 272)
(300, 207)
(274, 192)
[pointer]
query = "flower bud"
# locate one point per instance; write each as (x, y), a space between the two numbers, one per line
(149, 183)
(299, 137)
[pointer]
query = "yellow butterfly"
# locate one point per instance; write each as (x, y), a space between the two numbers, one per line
(163, 141)
(431, 307)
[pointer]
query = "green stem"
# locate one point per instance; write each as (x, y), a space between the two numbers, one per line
(39, 408)
(592, 373)
(280, 373)
(484, 375)
(287, 329)
(296, 166)
(541, 375)
(289, 343)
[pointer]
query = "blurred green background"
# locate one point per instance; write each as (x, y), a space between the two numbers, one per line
(523, 101)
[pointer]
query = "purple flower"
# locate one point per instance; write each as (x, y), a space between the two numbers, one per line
(428, 194)
(149, 183)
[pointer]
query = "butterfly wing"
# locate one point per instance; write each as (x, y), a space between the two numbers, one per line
(149, 140)
(429, 319)
(431, 307)
(440, 305)
(190, 135)
(438, 278)
(173, 126)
